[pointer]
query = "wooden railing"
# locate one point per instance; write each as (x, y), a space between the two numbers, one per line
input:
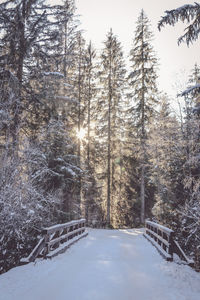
(197, 259)
(163, 239)
(57, 239)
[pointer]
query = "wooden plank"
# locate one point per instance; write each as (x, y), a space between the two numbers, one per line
(66, 245)
(36, 251)
(197, 259)
(62, 226)
(62, 237)
(161, 227)
(179, 251)
(166, 255)
(153, 231)
(158, 237)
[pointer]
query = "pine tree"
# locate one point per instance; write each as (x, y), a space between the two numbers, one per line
(112, 80)
(166, 151)
(66, 59)
(190, 211)
(90, 92)
(68, 24)
(142, 82)
(189, 13)
(90, 192)
(28, 36)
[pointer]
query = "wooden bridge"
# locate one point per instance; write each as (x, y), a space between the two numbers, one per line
(106, 265)
(56, 239)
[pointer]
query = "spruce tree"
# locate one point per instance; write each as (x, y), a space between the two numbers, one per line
(112, 80)
(166, 151)
(188, 13)
(89, 142)
(28, 37)
(68, 24)
(143, 93)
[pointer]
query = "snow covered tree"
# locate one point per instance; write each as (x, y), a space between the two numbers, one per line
(90, 92)
(28, 36)
(65, 59)
(9, 101)
(174, 156)
(188, 13)
(112, 80)
(191, 94)
(68, 27)
(89, 188)
(167, 157)
(190, 211)
(143, 93)
(40, 184)
(24, 204)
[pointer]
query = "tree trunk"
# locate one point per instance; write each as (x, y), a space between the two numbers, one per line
(88, 121)
(109, 143)
(109, 164)
(142, 193)
(79, 126)
(65, 41)
(19, 73)
(88, 136)
(142, 188)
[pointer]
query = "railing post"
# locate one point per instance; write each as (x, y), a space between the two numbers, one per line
(171, 239)
(46, 248)
(197, 259)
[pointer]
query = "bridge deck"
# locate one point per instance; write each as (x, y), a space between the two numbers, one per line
(107, 265)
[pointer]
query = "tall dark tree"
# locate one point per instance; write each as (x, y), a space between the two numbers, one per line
(90, 92)
(112, 79)
(68, 23)
(28, 35)
(166, 150)
(142, 82)
(88, 152)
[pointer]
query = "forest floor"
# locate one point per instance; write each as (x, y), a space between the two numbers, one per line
(106, 265)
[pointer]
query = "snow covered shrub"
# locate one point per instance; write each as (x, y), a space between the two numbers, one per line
(190, 223)
(63, 165)
(24, 209)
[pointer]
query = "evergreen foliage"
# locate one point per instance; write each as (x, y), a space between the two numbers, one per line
(189, 13)
(112, 80)
(143, 95)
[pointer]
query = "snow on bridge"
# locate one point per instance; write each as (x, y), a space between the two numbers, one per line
(106, 265)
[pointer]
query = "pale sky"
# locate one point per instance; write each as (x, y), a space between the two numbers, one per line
(98, 16)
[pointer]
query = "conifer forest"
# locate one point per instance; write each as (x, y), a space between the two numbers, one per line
(84, 135)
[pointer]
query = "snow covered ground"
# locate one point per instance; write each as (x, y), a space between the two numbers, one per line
(106, 265)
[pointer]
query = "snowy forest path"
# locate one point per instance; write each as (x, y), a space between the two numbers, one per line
(107, 265)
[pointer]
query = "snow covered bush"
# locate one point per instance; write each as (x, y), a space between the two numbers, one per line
(190, 218)
(190, 212)
(24, 209)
